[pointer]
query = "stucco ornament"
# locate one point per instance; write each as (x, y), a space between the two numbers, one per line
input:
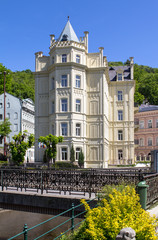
(126, 234)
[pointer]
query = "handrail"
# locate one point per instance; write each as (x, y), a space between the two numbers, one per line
(26, 230)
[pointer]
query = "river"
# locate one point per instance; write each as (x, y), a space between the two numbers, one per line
(12, 223)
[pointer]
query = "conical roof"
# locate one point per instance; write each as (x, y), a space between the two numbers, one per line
(68, 34)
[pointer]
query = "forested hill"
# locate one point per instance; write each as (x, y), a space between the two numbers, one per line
(146, 82)
(22, 84)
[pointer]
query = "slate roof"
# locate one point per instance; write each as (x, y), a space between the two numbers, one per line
(68, 34)
(113, 72)
(145, 108)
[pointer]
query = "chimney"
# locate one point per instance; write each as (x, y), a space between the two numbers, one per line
(101, 56)
(86, 39)
(132, 67)
(52, 36)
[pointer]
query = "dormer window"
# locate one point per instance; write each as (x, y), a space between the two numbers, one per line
(64, 38)
(119, 76)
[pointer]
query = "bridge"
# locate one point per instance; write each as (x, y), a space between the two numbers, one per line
(53, 191)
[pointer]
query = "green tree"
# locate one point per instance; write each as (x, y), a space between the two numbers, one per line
(19, 146)
(4, 129)
(50, 141)
(72, 154)
(81, 159)
(8, 81)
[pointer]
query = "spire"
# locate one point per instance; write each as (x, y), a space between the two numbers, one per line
(68, 33)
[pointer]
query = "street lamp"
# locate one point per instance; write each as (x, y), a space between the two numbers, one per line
(4, 109)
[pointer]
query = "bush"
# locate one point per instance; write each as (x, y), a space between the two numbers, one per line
(64, 165)
(121, 210)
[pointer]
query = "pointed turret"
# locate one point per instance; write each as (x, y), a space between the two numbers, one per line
(68, 34)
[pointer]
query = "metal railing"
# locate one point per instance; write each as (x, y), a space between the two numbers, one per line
(26, 230)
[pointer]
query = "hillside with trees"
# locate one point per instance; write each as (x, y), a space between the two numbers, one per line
(22, 84)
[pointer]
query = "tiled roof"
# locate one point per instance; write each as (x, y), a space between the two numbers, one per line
(113, 72)
(145, 108)
(68, 34)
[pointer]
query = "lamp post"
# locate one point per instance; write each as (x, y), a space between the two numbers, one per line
(4, 109)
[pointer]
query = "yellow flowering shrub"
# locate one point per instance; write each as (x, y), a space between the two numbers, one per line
(122, 209)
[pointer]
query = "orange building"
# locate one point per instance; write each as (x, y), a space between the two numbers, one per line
(146, 133)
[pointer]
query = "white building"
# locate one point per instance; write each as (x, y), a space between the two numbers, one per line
(80, 98)
(21, 114)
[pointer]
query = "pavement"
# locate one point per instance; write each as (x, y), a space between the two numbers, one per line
(153, 211)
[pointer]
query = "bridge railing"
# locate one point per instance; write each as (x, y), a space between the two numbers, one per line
(73, 225)
(67, 180)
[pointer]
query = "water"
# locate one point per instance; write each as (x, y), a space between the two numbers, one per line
(12, 223)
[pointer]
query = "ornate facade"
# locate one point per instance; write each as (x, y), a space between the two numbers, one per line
(79, 97)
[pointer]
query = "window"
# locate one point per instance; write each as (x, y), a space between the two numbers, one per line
(64, 58)
(64, 80)
(141, 124)
(53, 107)
(157, 141)
(141, 142)
(119, 95)
(64, 153)
(78, 105)
(149, 123)
(120, 135)
(15, 115)
(157, 123)
(53, 60)
(0, 140)
(1, 116)
(64, 105)
(120, 154)
(78, 129)
(78, 150)
(53, 130)
(119, 76)
(8, 105)
(53, 83)
(120, 115)
(64, 129)
(15, 127)
(78, 81)
(8, 115)
(8, 139)
(149, 142)
(77, 58)
(1, 105)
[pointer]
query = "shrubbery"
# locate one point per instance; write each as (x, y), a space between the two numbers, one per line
(122, 209)
(64, 165)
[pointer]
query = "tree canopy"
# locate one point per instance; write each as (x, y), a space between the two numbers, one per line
(4, 128)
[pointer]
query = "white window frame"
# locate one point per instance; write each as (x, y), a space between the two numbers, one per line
(120, 154)
(64, 58)
(64, 105)
(64, 80)
(78, 129)
(150, 123)
(78, 58)
(78, 81)
(8, 115)
(141, 142)
(141, 124)
(15, 115)
(15, 127)
(120, 115)
(8, 104)
(78, 105)
(1, 105)
(64, 129)
(119, 76)
(78, 150)
(119, 95)
(64, 154)
(150, 142)
(120, 135)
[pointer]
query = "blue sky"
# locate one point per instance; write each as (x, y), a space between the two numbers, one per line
(124, 28)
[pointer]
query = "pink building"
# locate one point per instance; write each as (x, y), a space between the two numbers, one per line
(146, 131)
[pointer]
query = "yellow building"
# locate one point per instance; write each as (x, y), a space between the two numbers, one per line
(79, 97)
